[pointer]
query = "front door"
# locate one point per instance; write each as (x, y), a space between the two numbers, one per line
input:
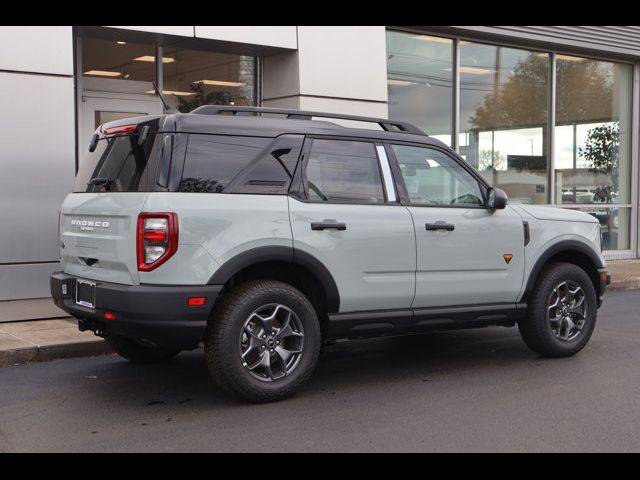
(348, 217)
(466, 253)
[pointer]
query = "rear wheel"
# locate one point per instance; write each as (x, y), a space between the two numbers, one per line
(139, 352)
(263, 341)
(562, 311)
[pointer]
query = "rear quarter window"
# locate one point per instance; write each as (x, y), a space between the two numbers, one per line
(239, 164)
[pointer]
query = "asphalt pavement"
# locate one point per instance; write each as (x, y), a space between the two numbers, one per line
(472, 390)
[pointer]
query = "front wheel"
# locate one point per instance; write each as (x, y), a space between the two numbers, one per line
(263, 341)
(562, 311)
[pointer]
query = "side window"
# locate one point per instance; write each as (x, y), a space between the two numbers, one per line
(434, 178)
(343, 171)
(271, 171)
(212, 161)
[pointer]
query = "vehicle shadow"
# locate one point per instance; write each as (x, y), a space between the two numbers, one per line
(184, 381)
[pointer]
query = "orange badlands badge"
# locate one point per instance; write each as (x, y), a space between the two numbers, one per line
(507, 257)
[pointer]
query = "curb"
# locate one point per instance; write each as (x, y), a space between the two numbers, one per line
(45, 353)
(630, 283)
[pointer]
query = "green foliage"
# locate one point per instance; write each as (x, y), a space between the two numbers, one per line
(602, 152)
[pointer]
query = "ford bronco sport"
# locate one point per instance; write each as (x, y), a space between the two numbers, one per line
(263, 233)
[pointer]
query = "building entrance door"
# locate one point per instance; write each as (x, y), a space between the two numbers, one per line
(101, 107)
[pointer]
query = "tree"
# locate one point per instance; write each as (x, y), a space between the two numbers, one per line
(491, 160)
(602, 152)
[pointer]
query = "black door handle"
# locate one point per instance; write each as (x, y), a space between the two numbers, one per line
(327, 224)
(440, 226)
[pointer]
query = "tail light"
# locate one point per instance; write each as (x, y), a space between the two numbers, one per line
(157, 239)
(121, 130)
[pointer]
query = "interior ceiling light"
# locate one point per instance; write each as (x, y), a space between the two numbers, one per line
(102, 73)
(399, 83)
(221, 83)
(120, 42)
(472, 70)
(429, 38)
(151, 58)
(173, 92)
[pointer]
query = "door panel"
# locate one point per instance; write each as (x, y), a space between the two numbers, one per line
(372, 261)
(466, 265)
(349, 219)
(466, 253)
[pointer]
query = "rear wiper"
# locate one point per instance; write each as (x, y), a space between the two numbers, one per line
(100, 182)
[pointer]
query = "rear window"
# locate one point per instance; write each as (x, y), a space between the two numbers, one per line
(118, 164)
(239, 164)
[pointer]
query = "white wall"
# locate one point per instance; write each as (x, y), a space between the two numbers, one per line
(40, 49)
(272, 36)
(343, 62)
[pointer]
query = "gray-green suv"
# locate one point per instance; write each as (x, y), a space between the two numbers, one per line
(264, 233)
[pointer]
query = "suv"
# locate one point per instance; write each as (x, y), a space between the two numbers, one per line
(266, 236)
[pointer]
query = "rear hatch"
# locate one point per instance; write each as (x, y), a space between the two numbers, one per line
(98, 221)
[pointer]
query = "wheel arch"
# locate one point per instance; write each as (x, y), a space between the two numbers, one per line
(290, 265)
(570, 251)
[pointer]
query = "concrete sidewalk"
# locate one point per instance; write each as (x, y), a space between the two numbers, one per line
(43, 340)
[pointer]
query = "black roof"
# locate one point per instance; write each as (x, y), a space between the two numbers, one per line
(213, 119)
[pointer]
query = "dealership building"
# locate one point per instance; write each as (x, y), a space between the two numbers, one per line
(549, 114)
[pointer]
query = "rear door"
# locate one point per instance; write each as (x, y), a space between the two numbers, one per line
(466, 253)
(98, 221)
(346, 214)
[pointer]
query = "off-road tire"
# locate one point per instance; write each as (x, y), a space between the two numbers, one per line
(536, 330)
(222, 341)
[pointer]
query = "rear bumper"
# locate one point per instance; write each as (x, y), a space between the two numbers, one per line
(155, 313)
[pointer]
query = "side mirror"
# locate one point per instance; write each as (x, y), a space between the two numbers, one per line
(496, 199)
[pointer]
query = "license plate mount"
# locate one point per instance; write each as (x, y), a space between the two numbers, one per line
(85, 293)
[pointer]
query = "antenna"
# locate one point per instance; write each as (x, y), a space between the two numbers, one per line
(167, 108)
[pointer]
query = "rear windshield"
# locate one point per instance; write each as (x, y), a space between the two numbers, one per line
(118, 164)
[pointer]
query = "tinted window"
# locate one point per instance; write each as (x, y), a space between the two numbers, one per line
(272, 170)
(212, 161)
(343, 171)
(434, 178)
(120, 162)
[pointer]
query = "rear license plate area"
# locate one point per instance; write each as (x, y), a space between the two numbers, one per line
(86, 293)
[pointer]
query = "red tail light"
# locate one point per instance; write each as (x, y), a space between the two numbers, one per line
(122, 129)
(157, 239)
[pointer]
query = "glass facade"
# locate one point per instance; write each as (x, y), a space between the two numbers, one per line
(504, 116)
(196, 77)
(420, 79)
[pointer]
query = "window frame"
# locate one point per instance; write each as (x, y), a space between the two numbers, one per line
(300, 191)
(401, 187)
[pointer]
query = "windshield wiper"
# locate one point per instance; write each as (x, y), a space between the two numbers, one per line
(100, 182)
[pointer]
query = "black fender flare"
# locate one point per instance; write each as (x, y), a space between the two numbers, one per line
(281, 254)
(561, 247)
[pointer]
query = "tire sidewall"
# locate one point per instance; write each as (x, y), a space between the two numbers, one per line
(554, 277)
(291, 298)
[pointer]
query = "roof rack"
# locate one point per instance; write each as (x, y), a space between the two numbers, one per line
(385, 124)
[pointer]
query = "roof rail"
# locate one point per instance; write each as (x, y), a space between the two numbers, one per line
(385, 124)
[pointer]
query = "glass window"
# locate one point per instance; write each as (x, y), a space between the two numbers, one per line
(433, 178)
(121, 162)
(195, 77)
(212, 161)
(116, 66)
(503, 118)
(615, 224)
(592, 131)
(343, 171)
(420, 82)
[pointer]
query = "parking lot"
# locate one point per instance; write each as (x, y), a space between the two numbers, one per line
(474, 390)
